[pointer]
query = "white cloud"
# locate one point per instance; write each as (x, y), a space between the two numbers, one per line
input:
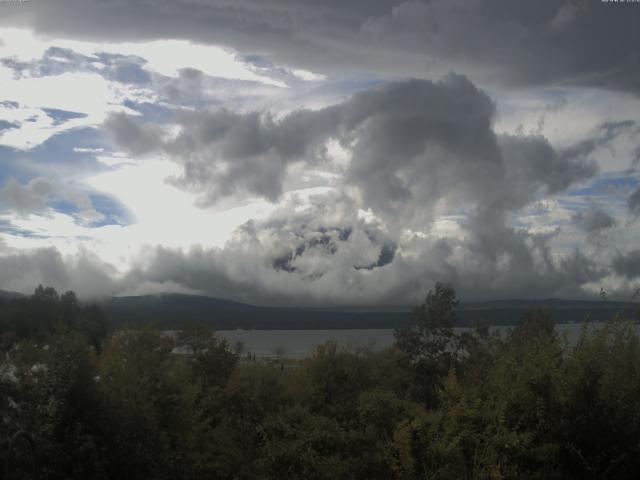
(431, 237)
(166, 57)
(89, 92)
(21, 44)
(307, 75)
(85, 93)
(565, 115)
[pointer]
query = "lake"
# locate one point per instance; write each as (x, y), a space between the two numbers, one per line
(301, 343)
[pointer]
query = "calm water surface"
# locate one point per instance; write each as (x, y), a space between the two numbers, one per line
(301, 343)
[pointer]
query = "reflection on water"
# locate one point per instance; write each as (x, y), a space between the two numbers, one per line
(300, 343)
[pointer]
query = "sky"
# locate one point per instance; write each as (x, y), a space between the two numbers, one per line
(320, 152)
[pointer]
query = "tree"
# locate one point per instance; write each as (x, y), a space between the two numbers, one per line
(211, 358)
(431, 345)
(148, 404)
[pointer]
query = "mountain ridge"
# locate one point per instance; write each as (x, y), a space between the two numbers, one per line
(170, 310)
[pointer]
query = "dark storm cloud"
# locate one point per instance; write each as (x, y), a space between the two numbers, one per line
(84, 273)
(603, 137)
(315, 252)
(132, 134)
(246, 152)
(322, 252)
(593, 220)
(414, 144)
(527, 42)
(628, 265)
(250, 271)
(418, 149)
(634, 203)
(225, 152)
(531, 43)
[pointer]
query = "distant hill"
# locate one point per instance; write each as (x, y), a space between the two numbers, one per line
(506, 312)
(4, 295)
(172, 310)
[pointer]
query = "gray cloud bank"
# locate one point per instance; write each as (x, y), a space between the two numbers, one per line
(634, 203)
(35, 196)
(415, 146)
(593, 220)
(516, 43)
(423, 157)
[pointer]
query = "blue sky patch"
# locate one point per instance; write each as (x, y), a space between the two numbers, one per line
(61, 116)
(115, 213)
(4, 125)
(152, 112)
(607, 186)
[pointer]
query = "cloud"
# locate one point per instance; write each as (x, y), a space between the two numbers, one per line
(565, 41)
(84, 273)
(634, 203)
(36, 196)
(324, 250)
(628, 265)
(133, 135)
(415, 146)
(593, 220)
(26, 199)
(326, 273)
(424, 190)
(5, 125)
(225, 152)
(82, 98)
(415, 150)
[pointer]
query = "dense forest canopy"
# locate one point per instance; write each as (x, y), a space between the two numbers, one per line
(101, 404)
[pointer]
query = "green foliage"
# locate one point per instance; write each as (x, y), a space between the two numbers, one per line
(146, 403)
(299, 444)
(211, 358)
(431, 346)
(439, 404)
(52, 396)
(46, 313)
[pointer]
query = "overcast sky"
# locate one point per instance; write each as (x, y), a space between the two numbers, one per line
(320, 152)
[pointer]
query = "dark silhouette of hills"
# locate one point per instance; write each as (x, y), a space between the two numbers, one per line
(4, 295)
(172, 310)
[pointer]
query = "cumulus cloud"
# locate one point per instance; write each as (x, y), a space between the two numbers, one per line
(59, 60)
(416, 150)
(26, 199)
(417, 183)
(426, 191)
(628, 265)
(634, 203)
(415, 145)
(84, 273)
(558, 37)
(565, 41)
(593, 220)
(325, 251)
(133, 135)
(37, 194)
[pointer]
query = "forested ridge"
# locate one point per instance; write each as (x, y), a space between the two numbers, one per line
(104, 403)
